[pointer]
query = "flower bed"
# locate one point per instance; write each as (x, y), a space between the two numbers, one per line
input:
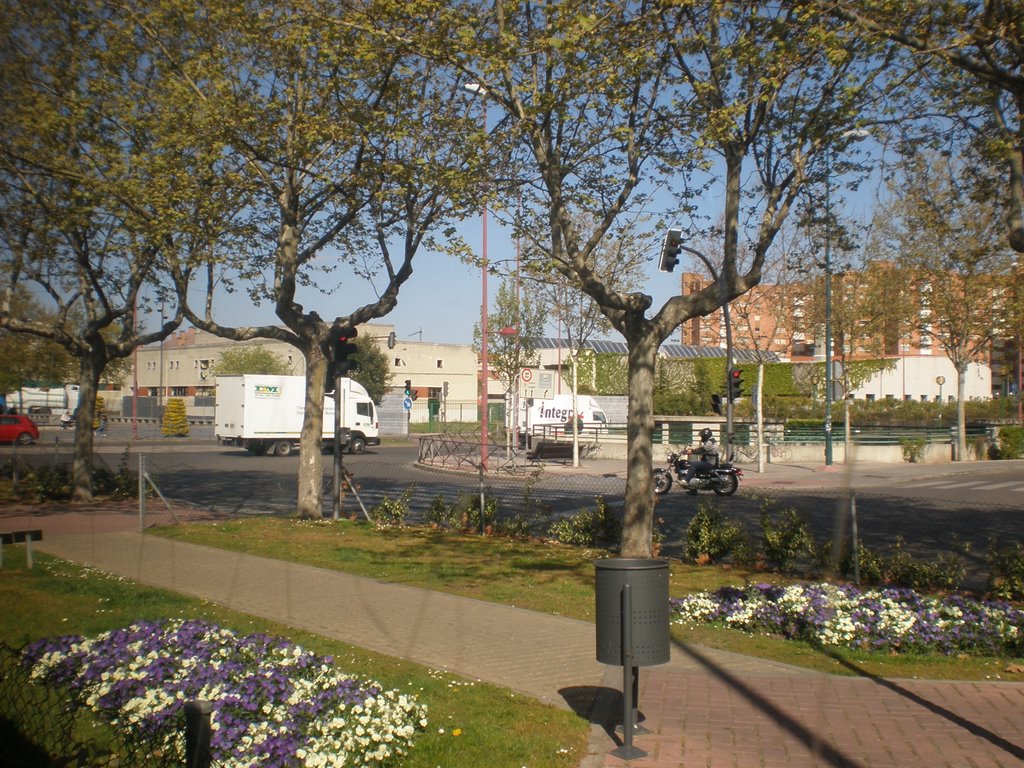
(274, 704)
(893, 620)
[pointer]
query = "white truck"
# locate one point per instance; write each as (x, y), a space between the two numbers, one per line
(32, 400)
(547, 415)
(264, 414)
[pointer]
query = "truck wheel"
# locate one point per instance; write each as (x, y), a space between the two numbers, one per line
(356, 444)
(282, 448)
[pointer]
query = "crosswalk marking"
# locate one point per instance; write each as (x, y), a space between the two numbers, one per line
(951, 484)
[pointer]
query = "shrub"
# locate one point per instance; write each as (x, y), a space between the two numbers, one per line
(913, 449)
(391, 511)
(980, 448)
(122, 484)
(712, 537)
(440, 514)
(46, 483)
(900, 569)
(516, 527)
(1011, 442)
(175, 421)
(786, 536)
(869, 562)
(467, 512)
(1006, 571)
(589, 528)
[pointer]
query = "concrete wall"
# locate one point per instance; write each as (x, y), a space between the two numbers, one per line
(915, 377)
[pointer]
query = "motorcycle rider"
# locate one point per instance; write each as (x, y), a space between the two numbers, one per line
(708, 453)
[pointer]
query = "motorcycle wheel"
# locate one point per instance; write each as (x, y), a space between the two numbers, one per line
(726, 486)
(662, 482)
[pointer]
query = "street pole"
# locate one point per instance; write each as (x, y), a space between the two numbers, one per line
(480, 90)
(828, 317)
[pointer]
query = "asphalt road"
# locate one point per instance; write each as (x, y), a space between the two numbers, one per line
(932, 516)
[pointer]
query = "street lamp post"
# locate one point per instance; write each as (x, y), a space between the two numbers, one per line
(828, 320)
(856, 133)
(480, 90)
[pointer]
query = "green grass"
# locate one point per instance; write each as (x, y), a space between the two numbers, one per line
(547, 577)
(497, 727)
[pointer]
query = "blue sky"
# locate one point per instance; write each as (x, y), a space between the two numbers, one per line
(442, 298)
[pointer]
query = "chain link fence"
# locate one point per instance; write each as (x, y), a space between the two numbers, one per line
(45, 727)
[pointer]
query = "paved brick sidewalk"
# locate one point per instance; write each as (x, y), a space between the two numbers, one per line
(705, 708)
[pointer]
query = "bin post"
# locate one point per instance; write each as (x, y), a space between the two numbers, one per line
(197, 734)
(630, 679)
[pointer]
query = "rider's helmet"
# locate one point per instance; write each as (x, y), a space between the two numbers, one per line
(705, 435)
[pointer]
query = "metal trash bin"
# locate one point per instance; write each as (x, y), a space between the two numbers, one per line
(647, 578)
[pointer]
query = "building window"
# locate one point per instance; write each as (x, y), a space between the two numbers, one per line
(440, 363)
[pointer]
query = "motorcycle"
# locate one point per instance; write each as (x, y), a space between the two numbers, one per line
(723, 478)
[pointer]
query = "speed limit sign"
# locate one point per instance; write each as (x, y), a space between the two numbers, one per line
(527, 374)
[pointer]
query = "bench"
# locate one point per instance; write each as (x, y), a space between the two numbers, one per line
(19, 537)
(550, 451)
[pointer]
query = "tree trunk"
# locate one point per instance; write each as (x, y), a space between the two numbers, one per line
(961, 415)
(638, 523)
(81, 468)
(311, 458)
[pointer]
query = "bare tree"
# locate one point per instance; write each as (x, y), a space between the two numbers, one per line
(355, 153)
(944, 244)
(100, 196)
(618, 262)
(972, 54)
(612, 97)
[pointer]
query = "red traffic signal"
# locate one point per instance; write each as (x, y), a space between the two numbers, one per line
(343, 355)
(735, 384)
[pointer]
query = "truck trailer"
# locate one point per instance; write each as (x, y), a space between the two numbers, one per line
(557, 411)
(264, 414)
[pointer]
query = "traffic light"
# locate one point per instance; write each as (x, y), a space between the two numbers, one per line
(344, 352)
(670, 249)
(408, 387)
(735, 384)
(444, 391)
(391, 340)
(716, 404)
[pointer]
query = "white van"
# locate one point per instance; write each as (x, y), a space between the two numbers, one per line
(557, 411)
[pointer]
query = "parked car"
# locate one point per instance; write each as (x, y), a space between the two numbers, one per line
(15, 428)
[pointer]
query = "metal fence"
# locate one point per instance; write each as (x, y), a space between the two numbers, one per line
(47, 726)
